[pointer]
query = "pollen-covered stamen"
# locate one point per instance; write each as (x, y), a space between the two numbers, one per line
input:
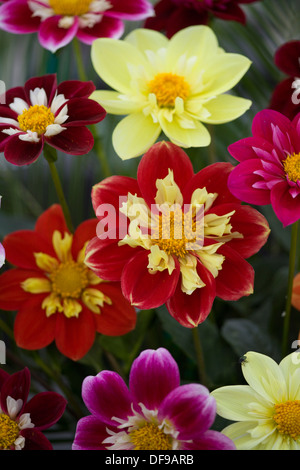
(167, 87)
(150, 437)
(287, 417)
(9, 431)
(69, 279)
(291, 167)
(36, 119)
(70, 7)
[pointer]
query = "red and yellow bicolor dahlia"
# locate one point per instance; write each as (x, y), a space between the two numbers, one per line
(188, 261)
(57, 297)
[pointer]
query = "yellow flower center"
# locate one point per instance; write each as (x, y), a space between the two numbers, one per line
(36, 119)
(70, 7)
(150, 437)
(287, 417)
(291, 166)
(69, 279)
(167, 87)
(9, 431)
(174, 235)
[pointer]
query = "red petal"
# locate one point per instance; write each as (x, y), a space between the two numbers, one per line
(32, 329)
(214, 179)
(84, 232)
(287, 58)
(35, 440)
(76, 89)
(282, 98)
(50, 220)
(47, 82)
(83, 112)
(75, 336)
(145, 290)
(73, 140)
(107, 27)
(156, 163)
(16, 386)
(19, 152)
(116, 319)
(45, 409)
(191, 310)
(12, 296)
(20, 247)
(236, 278)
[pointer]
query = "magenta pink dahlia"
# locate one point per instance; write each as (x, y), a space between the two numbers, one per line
(154, 413)
(269, 168)
(22, 421)
(57, 22)
(43, 112)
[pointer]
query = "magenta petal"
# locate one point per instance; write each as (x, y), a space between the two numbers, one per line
(106, 395)
(90, 433)
(242, 179)
(130, 10)
(52, 37)
(154, 374)
(286, 208)
(266, 120)
(106, 28)
(16, 17)
(143, 289)
(210, 440)
(19, 152)
(190, 408)
(35, 440)
(84, 111)
(16, 386)
(246, 149)
(45, 409)
(72, 140)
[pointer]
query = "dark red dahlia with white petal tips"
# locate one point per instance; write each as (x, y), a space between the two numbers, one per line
(174, 237)
(43, 112)
(22, 421)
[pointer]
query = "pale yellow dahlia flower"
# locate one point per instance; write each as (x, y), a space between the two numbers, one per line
(170, 85)
(267, 410)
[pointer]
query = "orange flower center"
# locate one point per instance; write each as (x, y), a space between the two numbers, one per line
(69, 279)
(9, 431)
(167, 87)
(287, 417)
(150, 437)
(291, 167)
(36, 119)
(70, 7)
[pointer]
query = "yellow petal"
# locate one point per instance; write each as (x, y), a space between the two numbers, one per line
(190, 279)
(159, 260)
(36, 285)
(94, 299)
(52, 304)
(62, 246)
(71, 308)
(225, 108)
(134, 135)
(147, 40)
(116, 103)
(46, 262)
(197, 137)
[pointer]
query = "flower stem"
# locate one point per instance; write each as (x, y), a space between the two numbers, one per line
(50, 155)
(292, 262)
(79, 61)
(199, 356)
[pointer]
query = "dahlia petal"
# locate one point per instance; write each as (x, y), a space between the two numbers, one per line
(109, 191)
(242, 180)
(155, 165)
(107, 27)
(116, 103)
(50, 220)
(12, 296)
(233, 12)
(106, 258)
(154, 374)
(129, 145)
(52, 37)
(90, 433)
(75, 89)
(249, 148)
(282, 98)
(84, 111)
(183, 17)
(106, 396)
(190, 408)
(198, 136)
(214, 179)
(35, 440)
(147, 40)
(110, 60)
(84, 232)
(265, 121)
(75, 336)
(3, 377)
(236, 278)
(146, 290)
(286, 208)
(16, 17)
(131, 10)
(287, 58)
(73, 140)
(48, 83)
(32, 329)
(233, 401)
(118, 318)
(225, 108)
(45, 409)
(191, 310)
(17, 387)
(210, 440)
(20, 247)
(20, 152)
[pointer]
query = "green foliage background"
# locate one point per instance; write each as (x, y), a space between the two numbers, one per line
(233, 328)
